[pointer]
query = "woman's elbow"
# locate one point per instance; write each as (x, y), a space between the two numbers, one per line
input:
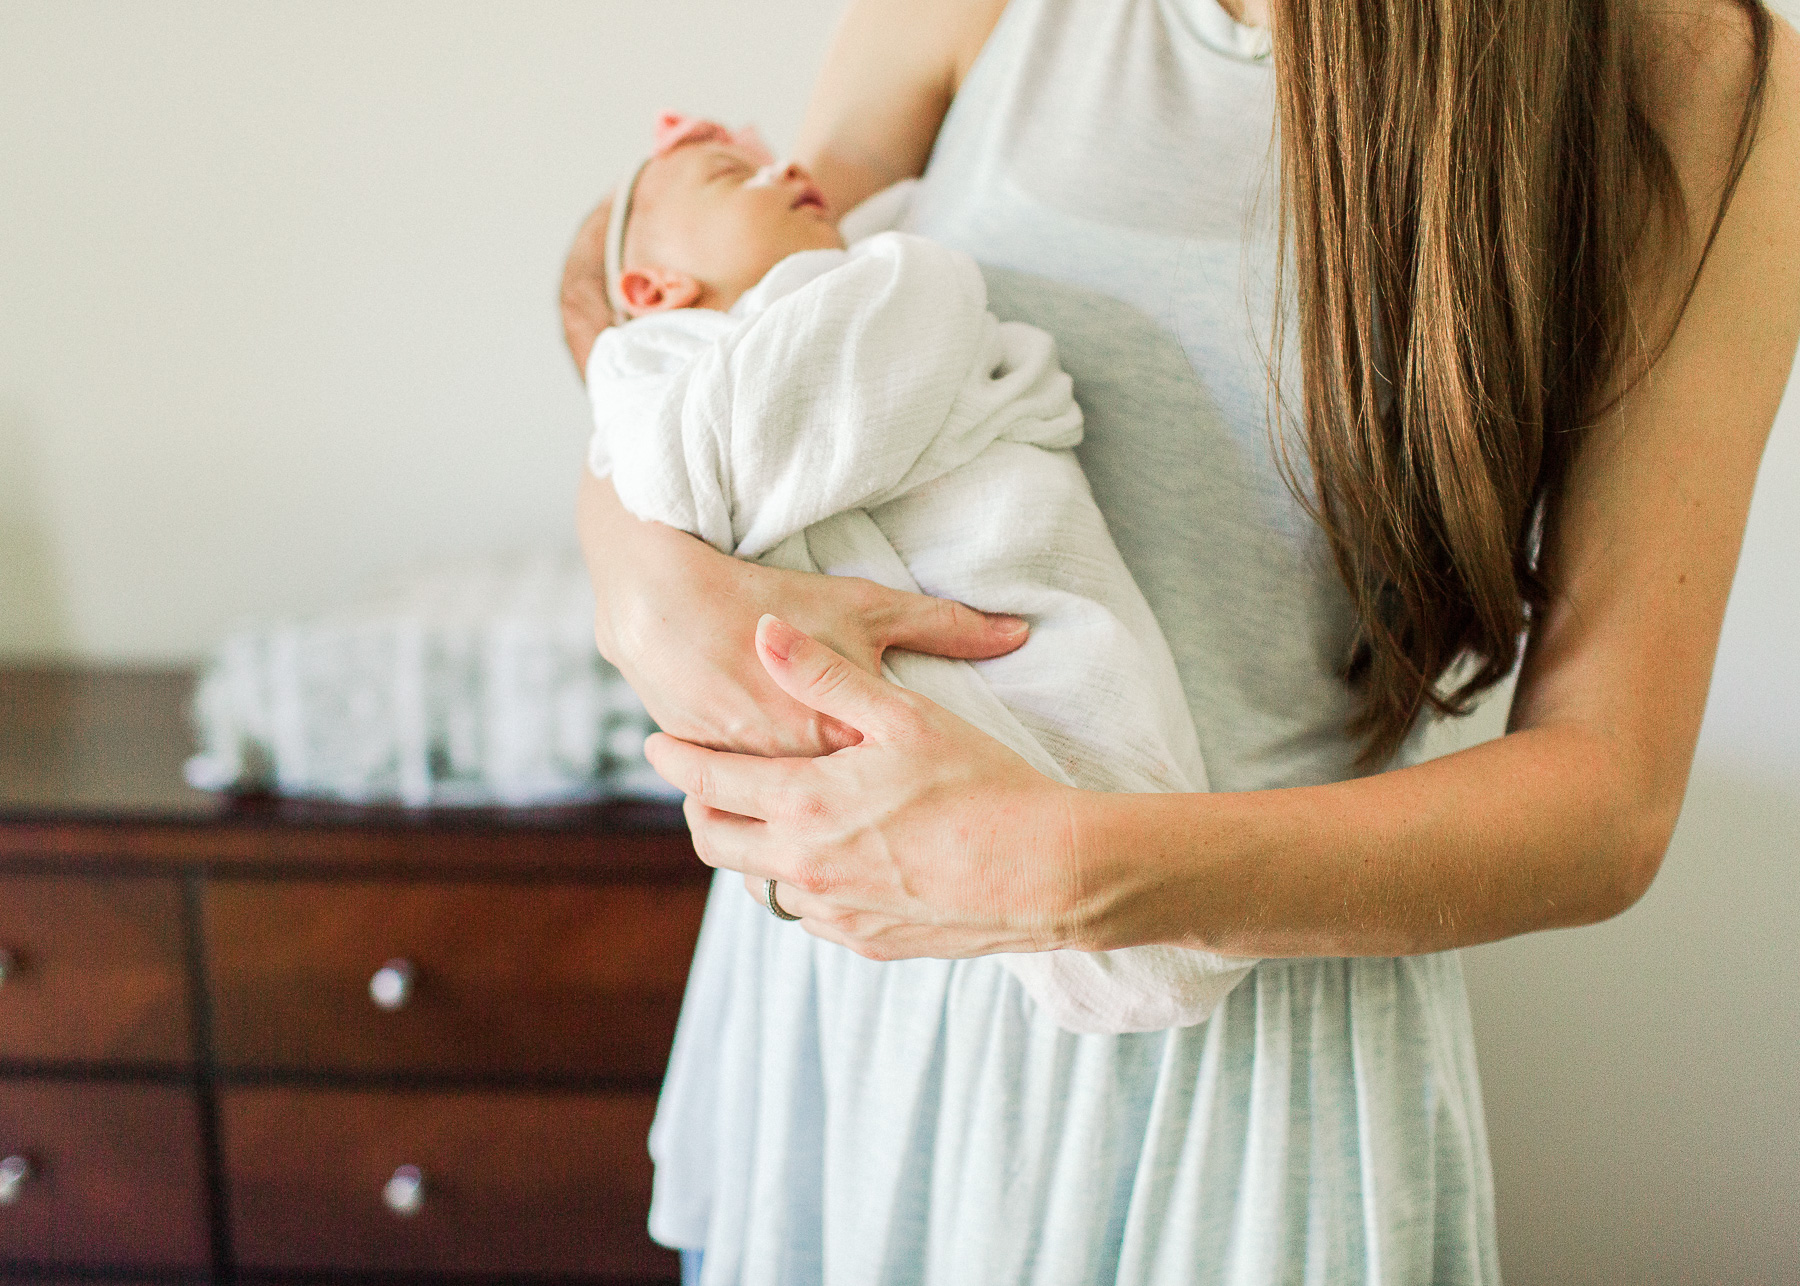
(1640, 824)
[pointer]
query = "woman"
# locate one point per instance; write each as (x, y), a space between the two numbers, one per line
(1539, 292)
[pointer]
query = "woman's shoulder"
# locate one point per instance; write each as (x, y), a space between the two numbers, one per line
(1701, 63)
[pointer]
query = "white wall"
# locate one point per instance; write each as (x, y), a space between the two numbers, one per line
(278, 281)
(276, 314)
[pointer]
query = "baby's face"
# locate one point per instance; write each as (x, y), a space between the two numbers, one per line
(707, 211)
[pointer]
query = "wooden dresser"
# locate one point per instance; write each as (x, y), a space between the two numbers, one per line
(259, 1040)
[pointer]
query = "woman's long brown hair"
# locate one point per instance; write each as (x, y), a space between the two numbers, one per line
(1469, 188)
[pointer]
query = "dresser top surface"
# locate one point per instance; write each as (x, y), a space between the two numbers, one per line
(88, 748)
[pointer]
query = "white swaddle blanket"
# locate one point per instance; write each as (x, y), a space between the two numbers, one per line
(861, 413)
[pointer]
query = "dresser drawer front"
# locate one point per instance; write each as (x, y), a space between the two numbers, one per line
(115, 1176)
(511, 1183)
(92, 971)
(559, 979)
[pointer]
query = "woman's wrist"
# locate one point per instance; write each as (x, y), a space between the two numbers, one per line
(1426, 858)
(1146, 871)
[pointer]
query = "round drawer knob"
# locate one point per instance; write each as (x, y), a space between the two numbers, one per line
(392, 985)
(404, 1193)
(15, 1172)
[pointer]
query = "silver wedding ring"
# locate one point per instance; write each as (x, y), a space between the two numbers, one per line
(774, 906)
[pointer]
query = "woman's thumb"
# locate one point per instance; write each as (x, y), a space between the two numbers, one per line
(818, 677)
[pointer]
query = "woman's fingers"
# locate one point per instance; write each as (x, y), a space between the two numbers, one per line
(944, 627)
(789, 898)
(725, 841)
(747, 785)
(585, 308)
(814, 675)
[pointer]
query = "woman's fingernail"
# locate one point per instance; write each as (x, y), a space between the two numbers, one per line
(1010, 625)
(777, 635)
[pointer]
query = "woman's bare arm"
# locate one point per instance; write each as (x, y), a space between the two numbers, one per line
(887, 82)
(927, 838)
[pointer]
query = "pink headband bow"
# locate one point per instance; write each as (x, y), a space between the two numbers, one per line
(673, 130)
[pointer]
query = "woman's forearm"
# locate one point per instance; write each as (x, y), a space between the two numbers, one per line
(600, 525)
(888, 79)
(1539, 829)
(614, 540)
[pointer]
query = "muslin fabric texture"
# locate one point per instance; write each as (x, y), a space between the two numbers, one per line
(826, 1119)
(861, 412)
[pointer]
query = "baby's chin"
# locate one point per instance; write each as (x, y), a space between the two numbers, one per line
(820, 234)
(824, 236)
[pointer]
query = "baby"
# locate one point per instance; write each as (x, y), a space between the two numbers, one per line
(857, 410)
(704, 219)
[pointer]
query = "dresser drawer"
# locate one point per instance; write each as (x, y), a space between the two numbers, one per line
(115, 1176)
(560, 979)
(92, 970)
(509, 1183)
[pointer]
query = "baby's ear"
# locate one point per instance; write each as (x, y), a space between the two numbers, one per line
(654, 290)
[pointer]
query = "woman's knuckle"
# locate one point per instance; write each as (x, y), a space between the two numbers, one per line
(832, 678)
(910, 712)
(807, 807)
(816, 876)
(889, 613)
(948, 615)
(867, 599)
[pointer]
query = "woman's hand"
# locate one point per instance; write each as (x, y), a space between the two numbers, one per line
(678, 618)
(585, 308)
(925, 838)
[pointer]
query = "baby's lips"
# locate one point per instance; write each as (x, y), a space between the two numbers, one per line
(811, 196)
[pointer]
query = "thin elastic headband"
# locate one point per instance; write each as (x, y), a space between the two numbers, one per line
(615, 238)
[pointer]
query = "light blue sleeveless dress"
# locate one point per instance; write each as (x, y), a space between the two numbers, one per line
(827, 1119)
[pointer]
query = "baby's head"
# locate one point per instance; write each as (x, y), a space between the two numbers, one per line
(706, 217)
